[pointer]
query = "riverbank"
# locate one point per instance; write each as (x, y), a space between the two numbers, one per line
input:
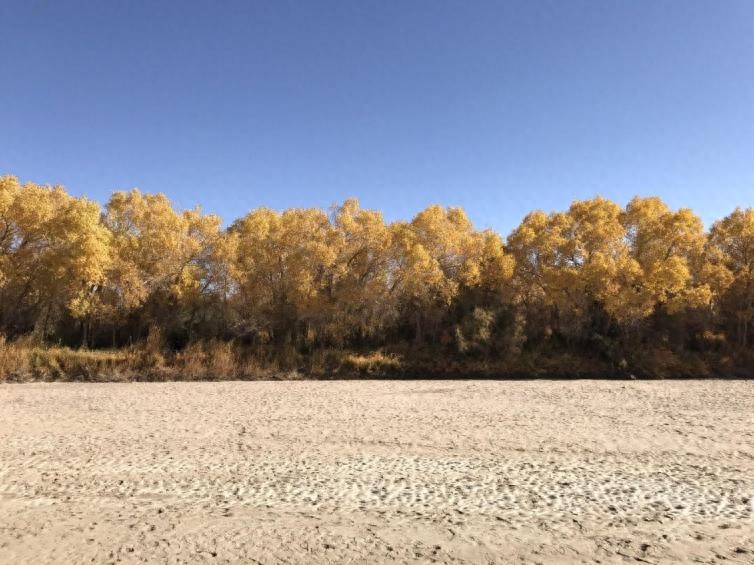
(377, 471)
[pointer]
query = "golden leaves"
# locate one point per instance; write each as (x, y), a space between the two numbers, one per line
(631, 261)
(331, 276)
(54, 246)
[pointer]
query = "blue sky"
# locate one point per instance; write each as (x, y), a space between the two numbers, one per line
(499, 107)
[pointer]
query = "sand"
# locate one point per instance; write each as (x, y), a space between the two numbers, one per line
(372, 472)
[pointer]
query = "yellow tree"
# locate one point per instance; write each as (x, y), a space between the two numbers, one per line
(437, 255)
(54, 255)
(25, 212)
(597, 257)
(429, 259)
(566, 263)
(80, 259)
(668, 248)
(731, 270)
(486, 318)
(533, 244)
(359, 279)
(281, 268)
(160, 257)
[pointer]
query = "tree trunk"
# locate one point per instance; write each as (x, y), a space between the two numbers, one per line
(418, 322)
(84, 334)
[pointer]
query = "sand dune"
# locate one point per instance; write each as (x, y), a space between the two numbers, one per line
(307, 472)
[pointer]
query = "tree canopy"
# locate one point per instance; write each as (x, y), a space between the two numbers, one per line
(599, 277)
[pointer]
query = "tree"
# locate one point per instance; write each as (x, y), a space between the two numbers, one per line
(438, 255)
(668, 247)
(162, 261)
(54, 256)
(282, 266)
(569, 266)
(357, 287)
(731, 255)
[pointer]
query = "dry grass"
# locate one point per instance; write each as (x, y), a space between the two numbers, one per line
(26, 360)
(207, 361)
(23, 360)
(375, 362)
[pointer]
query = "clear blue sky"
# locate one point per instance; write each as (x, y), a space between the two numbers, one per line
(499, 107)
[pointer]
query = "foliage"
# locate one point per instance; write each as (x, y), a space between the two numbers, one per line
(340, 290)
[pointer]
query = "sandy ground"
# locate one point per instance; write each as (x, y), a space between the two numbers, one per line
(371, 472)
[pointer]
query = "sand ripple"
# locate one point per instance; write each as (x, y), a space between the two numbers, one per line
(305, 472)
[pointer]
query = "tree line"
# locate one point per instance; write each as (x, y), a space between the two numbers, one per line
(621, 285)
